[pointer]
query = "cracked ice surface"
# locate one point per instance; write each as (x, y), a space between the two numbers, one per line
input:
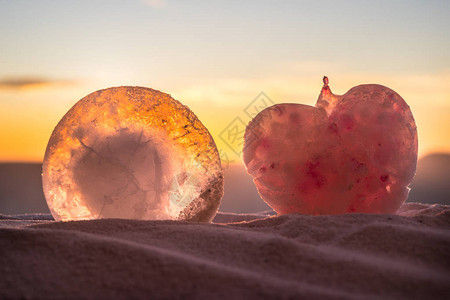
(350, 153)
(132, 152)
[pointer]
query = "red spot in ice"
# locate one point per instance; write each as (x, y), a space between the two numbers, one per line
(272, 166)
(265, 143)
(347, 121)
(333, 127)
(356, 165)
(384, 178)
(310, 178)
(318, 179)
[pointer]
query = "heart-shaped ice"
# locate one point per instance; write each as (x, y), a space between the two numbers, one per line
(351, 153)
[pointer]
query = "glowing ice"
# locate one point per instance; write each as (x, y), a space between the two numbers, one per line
(350, 153)
(132, 152)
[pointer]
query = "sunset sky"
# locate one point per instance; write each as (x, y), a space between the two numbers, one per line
(217, 57)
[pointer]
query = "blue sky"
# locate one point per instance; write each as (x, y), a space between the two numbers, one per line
(64, 38)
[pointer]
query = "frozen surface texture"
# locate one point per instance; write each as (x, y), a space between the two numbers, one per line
(132, 152)
(351, 153)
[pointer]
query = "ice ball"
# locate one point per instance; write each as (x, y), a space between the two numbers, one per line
(132, 152)
(350, 153)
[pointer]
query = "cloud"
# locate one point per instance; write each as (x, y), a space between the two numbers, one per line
(31, 82)
(154, 3)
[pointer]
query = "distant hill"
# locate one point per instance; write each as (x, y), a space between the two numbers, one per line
(21, 190)
(21, 187)
(240, 192)
(432, 181)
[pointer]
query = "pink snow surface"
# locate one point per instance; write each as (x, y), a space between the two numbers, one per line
(351, 153)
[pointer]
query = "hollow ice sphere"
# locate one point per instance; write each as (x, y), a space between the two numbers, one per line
(350, 153)
(132, 152)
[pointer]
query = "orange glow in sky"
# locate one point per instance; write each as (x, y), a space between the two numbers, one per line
(216, 57)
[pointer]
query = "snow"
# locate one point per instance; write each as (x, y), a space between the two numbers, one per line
(351, 256)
